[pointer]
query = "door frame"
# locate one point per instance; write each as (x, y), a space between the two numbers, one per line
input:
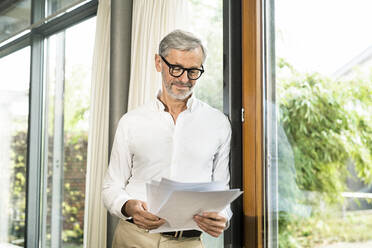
(253, 140)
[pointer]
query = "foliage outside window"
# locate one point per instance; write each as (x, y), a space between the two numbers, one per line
(14, 90)
(327, 125)
(76, 98)
(323, 89)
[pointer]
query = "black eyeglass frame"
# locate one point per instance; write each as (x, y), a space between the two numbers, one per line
(171, 67)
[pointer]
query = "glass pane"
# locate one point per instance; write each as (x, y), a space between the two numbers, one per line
(68, 71)
(14, 91)
(320, 128)
(54, 6)
(14, 16)
(206, 23)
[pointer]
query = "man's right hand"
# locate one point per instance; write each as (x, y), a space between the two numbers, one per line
(141, 217)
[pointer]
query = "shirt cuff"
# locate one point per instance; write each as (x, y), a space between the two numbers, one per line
(227, 213)
(118, 204)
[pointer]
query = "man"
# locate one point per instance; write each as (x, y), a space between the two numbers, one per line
(176, 136)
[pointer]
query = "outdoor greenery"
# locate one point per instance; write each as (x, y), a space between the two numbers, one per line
(327, 125)
(73, 204)
(18, 186)
(325, 228)
(76, 111)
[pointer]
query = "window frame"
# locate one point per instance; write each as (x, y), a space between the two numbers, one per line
(243, 102)
(253, 126)
(232, 106)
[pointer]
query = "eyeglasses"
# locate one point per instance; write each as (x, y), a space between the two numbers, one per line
(177, 71)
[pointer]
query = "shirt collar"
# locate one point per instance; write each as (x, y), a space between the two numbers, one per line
(190, 105)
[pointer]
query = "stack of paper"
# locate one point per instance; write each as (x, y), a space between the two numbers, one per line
(177, 202)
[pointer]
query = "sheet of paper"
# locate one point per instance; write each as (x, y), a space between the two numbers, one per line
(204, 186)
(181, 206)
(178, 202)
(159, 192)
(152, 201)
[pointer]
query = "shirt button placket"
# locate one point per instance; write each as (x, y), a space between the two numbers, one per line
(176, 131)
(173, 158)
(171, 129)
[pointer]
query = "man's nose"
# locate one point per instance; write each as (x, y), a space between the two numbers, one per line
(183, 78)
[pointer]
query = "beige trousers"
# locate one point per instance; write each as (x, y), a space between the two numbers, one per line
(128, 235)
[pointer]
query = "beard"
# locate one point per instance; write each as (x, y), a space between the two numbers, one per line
(181, 94)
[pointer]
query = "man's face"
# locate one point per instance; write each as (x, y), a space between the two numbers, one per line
(181, 87)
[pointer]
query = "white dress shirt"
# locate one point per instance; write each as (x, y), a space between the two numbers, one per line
(148, 145)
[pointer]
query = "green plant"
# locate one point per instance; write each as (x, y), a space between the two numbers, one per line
(323, 133)
(324, 124)
(73, 204)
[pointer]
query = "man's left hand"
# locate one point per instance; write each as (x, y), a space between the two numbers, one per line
(211, 223)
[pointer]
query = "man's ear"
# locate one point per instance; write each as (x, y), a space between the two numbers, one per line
(158, 62)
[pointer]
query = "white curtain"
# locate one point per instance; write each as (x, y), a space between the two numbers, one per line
(95, 220)
(151, 21)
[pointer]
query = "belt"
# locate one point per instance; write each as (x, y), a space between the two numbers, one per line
(178, 234)
(183, 234)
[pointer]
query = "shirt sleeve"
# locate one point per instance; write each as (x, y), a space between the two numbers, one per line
(119, 171)
(221, 171)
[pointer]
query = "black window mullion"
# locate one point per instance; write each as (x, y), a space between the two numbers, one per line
(232, 105)
(68, 19)
(35, 140)
(15, 45)
(35, 143)
(37, 10)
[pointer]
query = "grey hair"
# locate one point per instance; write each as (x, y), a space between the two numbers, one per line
(180, 40)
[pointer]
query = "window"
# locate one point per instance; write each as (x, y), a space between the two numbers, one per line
(54, 6)
(68, 70)
(14, 96)
(206, 22)
(15, 16)
(318, 124)
(44, 101)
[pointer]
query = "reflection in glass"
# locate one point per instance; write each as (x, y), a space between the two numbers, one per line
(54, 6)
(321, 125)
(68, 70)
(14, 17)
(206, 23)
(14, 91)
